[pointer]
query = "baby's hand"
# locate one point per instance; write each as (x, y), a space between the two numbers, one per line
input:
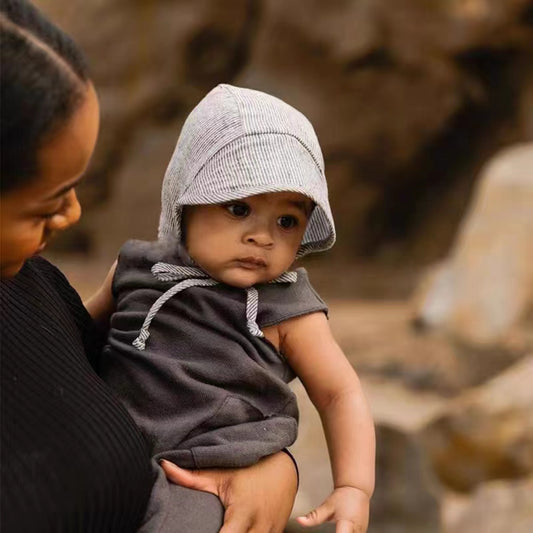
(347, 506)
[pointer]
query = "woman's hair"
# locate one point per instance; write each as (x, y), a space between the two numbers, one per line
(43, 80)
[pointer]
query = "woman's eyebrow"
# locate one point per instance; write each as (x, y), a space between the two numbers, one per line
(64, 189)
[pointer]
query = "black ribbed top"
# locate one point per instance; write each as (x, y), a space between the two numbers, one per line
(72, 459)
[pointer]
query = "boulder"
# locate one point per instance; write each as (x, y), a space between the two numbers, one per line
(378, 338)
(497, 507)
(485, 433)
(486, 286)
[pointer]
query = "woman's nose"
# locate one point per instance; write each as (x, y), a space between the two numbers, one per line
(68, 216)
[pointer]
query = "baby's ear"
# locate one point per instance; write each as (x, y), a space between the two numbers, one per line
(183, 222)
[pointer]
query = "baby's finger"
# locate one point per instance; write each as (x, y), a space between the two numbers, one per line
(317, 516)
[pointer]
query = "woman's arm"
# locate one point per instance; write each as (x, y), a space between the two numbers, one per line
(101, 304)
(257, 498)
(335, 390)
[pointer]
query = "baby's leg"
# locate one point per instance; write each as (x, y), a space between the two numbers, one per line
(175, 509)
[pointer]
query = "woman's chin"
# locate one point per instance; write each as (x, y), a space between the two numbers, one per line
(10, 270)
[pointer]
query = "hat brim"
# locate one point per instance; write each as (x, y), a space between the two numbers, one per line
(258, 164)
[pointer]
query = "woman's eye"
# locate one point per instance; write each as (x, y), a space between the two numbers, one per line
(47, 216)
(287, 221)
(238, 210)
(57, 211)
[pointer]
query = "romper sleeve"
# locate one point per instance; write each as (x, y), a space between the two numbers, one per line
(281, 301)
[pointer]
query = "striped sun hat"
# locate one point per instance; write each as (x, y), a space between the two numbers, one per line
(241, 142)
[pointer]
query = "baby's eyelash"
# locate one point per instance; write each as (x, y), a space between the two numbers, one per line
(288, 221)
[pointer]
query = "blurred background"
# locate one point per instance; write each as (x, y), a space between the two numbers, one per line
(424, 110)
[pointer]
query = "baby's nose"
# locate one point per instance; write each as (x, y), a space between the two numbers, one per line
(260, 236)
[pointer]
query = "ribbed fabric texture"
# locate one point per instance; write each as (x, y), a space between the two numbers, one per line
(240, 142)
(72, 459)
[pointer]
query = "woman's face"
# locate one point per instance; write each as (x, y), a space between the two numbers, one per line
(33, 212)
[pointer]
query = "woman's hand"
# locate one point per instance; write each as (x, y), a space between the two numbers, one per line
(258, 498)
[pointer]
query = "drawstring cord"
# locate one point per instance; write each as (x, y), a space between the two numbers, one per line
(195, 277)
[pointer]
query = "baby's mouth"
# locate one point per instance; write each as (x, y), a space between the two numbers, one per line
(252, 262)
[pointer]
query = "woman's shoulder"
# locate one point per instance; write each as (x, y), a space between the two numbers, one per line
(43, 271)
(40, 267)
(37, 272)
(40, 287)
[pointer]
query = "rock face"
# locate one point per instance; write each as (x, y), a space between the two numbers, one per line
(486, 286)
(498, 507)
(487, 432)
(407, 99)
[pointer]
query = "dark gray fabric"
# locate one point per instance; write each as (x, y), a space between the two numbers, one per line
(205, 392)
(175, 509)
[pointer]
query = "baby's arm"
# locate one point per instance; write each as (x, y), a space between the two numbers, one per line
(335, 390)
(101, 304)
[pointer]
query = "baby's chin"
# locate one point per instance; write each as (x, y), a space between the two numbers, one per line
(244, 279)
(242, 282)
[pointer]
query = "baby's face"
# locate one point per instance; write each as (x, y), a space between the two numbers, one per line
(248, 241)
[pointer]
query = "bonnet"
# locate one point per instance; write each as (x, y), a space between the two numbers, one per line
(240, 142)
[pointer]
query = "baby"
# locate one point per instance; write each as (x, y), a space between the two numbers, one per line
(211, 324)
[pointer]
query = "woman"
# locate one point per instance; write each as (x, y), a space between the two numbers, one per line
(72, 459)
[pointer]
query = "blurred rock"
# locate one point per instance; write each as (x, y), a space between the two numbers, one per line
(379, 340)
(407, 498)
(486, 433)
(407, 495)
(486, 286)
(497, 507)
(408, 99)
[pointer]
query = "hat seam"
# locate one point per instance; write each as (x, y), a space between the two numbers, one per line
(307, 149)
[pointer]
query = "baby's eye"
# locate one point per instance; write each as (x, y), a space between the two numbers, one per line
(287, 221)
(238, 209)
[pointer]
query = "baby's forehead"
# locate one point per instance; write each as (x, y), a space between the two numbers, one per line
(283, 199)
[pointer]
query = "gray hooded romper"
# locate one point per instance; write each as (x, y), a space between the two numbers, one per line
(205, 391)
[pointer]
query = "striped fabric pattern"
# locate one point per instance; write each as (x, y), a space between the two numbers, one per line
(241, 142)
